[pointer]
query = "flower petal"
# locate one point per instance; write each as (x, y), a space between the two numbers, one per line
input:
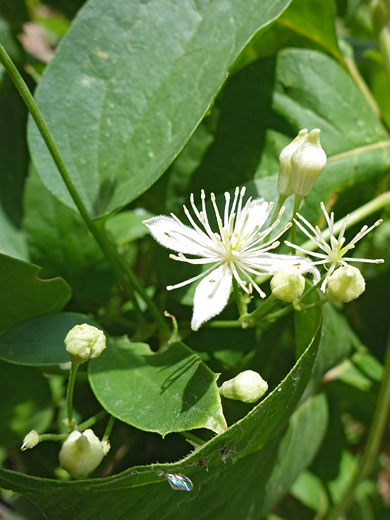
(179, 237)
(211, 295)
(255, 214)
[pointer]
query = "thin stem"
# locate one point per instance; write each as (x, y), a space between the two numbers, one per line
(222, 324)
(92, 420)
(374, 439)
(69, 395)
(259, 313)
(297, 202)
(193, 439)
(53, 437)
(122, 270)
(240, 299)
(281, 201)
(107, 431)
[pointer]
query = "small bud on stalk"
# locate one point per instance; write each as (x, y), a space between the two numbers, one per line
(248, 387)
(30, 440)
(345, 284)
(307, 162)
(84, 342)
(285, 168)
(287, 286)
(81, 453)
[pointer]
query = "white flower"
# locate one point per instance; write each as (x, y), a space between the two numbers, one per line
(239, 250)
(335, 251)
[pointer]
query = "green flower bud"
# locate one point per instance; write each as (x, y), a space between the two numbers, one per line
(287, 285)
(84, 342)
(285, 169)
(307, 162)
(30, 440)
(248, 387)
(81, 453)
(345, 284)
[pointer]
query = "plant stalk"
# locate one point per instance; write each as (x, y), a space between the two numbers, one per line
(69, 395)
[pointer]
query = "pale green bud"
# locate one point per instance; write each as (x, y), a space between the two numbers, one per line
(81, 453)
(307, 162)
(248, 387)
(285, 169)
(287, 285)
(30, 440)
(84, 342)
(345, 284)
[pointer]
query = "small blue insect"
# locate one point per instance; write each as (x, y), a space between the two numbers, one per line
(179, 482)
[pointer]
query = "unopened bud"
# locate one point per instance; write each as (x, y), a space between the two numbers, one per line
(84, 342)
(287, 285)
(285, 169)
(345, 284)
(248, 387)
(81, 453)
(30, 440)
(307, 163)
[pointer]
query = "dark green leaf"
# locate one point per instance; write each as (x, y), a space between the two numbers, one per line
(24, 295)
(166, 392)
(124, 91)
(40, 341)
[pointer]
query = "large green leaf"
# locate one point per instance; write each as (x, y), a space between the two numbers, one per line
(165, 392)
(125, 91)
(24, 295)
(40, 341)
(249, 466)
(265, 105)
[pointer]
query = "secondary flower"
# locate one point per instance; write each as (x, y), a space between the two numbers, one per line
(81, 453)
(239, 250)
(334, 252)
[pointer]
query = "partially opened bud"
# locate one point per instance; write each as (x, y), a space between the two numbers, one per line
(81, 453)
(248, 387)
(285, 169)
(307, 163)
(287, 285)
(345, 284)
(30, 440)
(84, 342)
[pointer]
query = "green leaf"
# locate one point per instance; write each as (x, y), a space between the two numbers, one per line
(123, 109)
(25, 403)
(165, 392)
(265, 105)
(40, 341)
(127, 226)
(245, 455)
(24, 295)
(60, 242)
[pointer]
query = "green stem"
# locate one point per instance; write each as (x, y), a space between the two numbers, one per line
(107, 431)
(293, 233)
(259, 313)
(92, 420)
(222, 324)
(240, 298)
(382, 31)
(69, 394)
(374, 439)
(193, 438)
(356, 216)
(278, 207)
(122, 270)
(53, 437)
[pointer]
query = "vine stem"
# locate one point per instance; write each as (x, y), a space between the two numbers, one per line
(123, 271)
(69, 394)
(375, 435)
